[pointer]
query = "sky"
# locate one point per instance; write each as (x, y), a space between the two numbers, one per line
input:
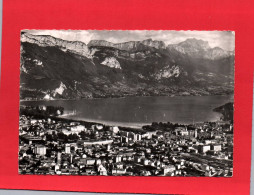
(222, 39)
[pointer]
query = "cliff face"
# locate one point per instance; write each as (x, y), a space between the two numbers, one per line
(155, 44)
(131, 45)
(192, 47)
(49, 41)
(55, 68)
(111, 62)
(199, 49)
(194, 44)
(168, 72)
(217, 53)
(100, 43)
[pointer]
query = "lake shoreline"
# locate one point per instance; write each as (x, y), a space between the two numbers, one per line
(136, 112)
(64, 99)
(107, 123)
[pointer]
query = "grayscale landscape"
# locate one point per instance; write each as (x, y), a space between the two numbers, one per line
(133, 103)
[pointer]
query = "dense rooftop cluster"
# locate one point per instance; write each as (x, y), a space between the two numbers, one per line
(66, 147)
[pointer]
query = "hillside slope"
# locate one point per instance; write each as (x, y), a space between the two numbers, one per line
(55, 68)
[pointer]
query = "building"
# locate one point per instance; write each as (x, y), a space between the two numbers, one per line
(115, 129)
(102, 170)
(95, 142)
(137, 159)
(118, 159)
(193, 133)
(77, 129)
(132, 136)
(98, 161)
(181, 131)
(148, 134)
(168, 169)
(40, 150)
(203, 148)
(66, 132)
(33, 121)
(146, 162)
(118, 171)
(124, 139)
(139, 137)
(71, 158)
(216, 147)
(67, 148)
(124, 133)
(31, 139)
(90, 161)
(57, 167)
(108, 147)
(59, 158)
(196, 133)
(97, 127)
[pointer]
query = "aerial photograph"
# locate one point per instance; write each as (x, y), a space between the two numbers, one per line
(126, 103)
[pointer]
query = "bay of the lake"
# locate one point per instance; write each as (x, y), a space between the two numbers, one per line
(137, 111)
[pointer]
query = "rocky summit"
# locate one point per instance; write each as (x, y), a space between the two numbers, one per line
(52, 68)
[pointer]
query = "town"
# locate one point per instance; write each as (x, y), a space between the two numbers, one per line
(57, 146)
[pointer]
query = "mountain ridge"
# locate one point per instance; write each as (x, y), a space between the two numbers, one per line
(189, 46)
(56, 68)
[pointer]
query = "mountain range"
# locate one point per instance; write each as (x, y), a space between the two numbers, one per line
(52, 68)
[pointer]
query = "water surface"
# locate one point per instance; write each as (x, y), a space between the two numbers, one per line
(136, 111)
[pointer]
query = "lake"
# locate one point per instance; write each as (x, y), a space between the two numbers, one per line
(137, 111)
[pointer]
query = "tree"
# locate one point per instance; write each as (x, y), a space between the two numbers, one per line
(49, 137)
(73, 137)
